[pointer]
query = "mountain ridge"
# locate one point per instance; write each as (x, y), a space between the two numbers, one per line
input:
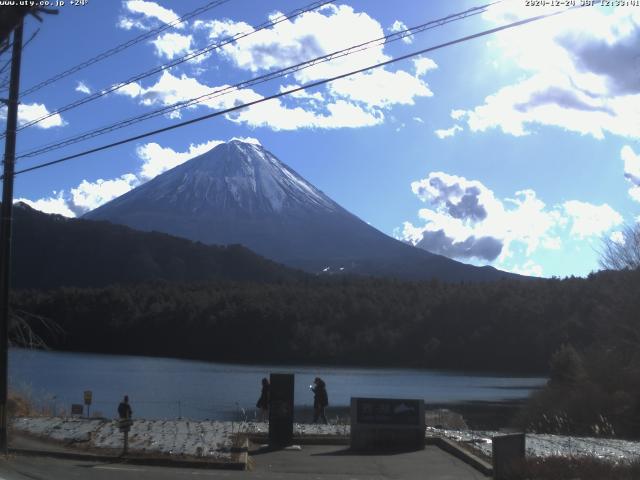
(239, 192)
(52, 251)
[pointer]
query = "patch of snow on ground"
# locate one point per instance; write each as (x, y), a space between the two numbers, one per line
(68, 430)
(543, 445)
(214, 439)
(175, 437)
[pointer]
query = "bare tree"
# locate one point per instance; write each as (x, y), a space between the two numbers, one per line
(622, 253)
(21, 333)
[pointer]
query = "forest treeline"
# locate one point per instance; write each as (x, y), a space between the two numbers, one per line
(510, 325)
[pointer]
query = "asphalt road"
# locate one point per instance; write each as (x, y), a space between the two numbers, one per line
(311, 462)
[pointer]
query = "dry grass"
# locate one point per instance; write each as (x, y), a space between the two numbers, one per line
(22, 403)
(19, 405)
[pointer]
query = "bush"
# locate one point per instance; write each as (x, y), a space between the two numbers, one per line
(595, 393)
(19, 405)
(566, 367)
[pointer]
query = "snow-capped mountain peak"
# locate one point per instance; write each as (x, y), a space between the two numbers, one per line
(240, 176)
(239, 192)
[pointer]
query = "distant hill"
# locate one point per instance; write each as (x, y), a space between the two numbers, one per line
(53, 251)
(241, 193)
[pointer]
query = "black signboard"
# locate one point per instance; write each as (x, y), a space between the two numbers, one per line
(281, 409)
(379, 424)
(384, 411)
(508, 453)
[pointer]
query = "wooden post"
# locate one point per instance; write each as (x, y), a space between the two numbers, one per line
(6, 214)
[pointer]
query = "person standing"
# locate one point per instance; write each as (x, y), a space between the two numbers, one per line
(124, 409)
(125, 422)
(320, 400)
(263, 401)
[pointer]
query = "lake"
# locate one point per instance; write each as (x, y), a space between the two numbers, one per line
(169, 388)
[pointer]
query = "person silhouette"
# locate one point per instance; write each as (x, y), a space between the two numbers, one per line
(124, 409)
(263, 401)
(320, 400)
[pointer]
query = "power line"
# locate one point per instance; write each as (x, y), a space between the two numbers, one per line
(298, 89)
(123, 46)
(214, 46)
(258, 80)
(24, 46)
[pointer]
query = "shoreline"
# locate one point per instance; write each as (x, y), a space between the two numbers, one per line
(320, 366)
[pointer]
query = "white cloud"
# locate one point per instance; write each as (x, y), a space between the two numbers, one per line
(580, 73)
(170, 89)
(399, 26)
(28, 112)
(273, 114)
(632, 170)
(357, 101)
(302, 94)
(589, 220)
(554, 102)
(381, 88)
(450, 132)
(307, 36)
(130, 89)
(89, 195)
(418, 119)
(458, 114)
(339, 114)
(83, 88)
(54, 204)
(86, 196)
(617, 237)
(635, 193)
(127, 23)
(424, 65)
(148, 10)
(465, 220)
(251, 140)
(529, 268)
(311, 35)
(171, 45)
(157, 159)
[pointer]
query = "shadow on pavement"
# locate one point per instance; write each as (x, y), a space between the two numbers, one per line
(264, 449)
(343, 451)
(349, 452)
(115, 461)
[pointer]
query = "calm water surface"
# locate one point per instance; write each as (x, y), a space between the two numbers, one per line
(168, 388)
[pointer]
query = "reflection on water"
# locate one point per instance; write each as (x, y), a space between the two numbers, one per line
(167, 388)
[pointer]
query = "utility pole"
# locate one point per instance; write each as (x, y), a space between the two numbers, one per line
(5, 229)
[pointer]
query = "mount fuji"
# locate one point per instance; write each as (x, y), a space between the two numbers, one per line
(239, 193)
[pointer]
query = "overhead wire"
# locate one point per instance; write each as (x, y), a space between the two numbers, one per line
(5, 82)
(123, 46)
(190, 56)
(257, 80)
(298, 89)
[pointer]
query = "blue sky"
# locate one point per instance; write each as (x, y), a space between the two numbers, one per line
(518, 150)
